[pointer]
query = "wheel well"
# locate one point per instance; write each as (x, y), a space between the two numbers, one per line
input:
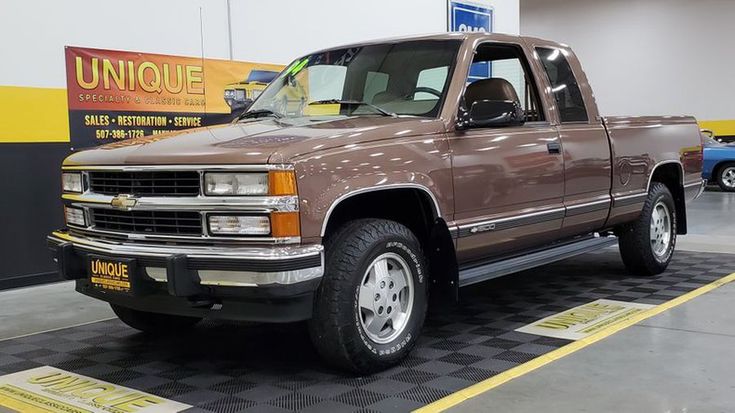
(670, 174)
(415, 209)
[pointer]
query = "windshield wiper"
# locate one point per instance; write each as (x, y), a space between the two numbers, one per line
(260, 113)
(353, 103)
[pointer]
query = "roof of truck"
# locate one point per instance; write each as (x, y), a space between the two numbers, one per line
(500, 37)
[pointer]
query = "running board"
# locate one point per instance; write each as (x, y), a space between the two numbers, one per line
(497, 269)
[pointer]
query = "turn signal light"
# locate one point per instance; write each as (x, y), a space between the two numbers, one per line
(285, 224)
(282, 183)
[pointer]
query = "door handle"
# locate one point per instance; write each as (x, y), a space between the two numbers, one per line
(553, 147)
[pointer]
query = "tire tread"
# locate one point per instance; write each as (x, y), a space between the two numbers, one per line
(344, 250)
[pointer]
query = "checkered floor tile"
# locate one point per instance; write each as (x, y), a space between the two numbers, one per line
(221, 367)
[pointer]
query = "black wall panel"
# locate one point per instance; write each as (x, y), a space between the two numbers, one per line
(30, 207)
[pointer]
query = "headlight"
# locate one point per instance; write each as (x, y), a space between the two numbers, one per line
(236, 184)
(75, 216)
(239, 225)
(71, 182)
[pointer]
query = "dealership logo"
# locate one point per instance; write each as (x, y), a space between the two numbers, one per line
(124, 202)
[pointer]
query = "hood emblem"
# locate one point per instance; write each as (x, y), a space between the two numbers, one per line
(124, 202)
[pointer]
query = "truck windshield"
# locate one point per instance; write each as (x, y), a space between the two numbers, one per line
(388, 79)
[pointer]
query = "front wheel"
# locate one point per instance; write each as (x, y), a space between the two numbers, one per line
(371, 304)
(153, 323)
(647, 245)
(726, 177)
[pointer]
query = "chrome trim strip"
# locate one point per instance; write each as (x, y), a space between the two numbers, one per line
(199, 203)
(653, 171)
(206, 168)
(637, 195)
(437, 209)
(620, 201)
(453, 231)
(162, 251)
(588, 207)
(138, 236)
(245, 278)
(510, 222)
(696, 183)
(520, 220)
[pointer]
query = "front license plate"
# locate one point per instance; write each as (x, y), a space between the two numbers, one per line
(111, 274)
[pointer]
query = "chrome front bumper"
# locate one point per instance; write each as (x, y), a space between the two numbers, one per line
(226, 266)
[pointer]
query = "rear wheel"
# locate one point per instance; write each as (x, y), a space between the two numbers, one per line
(726, 177)
(647, 244)
(371, 304)
(153, 323)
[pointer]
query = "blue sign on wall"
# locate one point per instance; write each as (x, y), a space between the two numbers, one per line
(469, 17)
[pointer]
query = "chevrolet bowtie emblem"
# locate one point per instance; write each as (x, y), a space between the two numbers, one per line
(124, 202)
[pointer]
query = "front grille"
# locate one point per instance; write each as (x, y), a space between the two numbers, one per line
(148, 222)
(152, 183)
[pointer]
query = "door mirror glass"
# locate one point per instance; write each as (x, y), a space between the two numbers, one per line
(492, 113)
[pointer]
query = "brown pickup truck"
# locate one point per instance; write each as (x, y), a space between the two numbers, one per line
(365, 177)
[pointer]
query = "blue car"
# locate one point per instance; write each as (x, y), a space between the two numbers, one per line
(719, 163)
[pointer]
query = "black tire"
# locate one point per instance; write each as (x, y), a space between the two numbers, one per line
(336, 327)
(634, 239)
(721, 178)
(153, 323)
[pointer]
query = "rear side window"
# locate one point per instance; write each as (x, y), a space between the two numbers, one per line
(563, 85)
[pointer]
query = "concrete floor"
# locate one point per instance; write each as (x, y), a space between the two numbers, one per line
(676, 362)
(31, 310)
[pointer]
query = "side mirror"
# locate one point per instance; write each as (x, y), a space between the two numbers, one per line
(492, 113)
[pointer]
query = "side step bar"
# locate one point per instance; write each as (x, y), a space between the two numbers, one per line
(497, 269)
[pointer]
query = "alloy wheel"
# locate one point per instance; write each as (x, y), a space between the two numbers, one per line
(385, 298)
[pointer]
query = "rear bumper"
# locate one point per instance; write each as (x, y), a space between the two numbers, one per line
(268, 283)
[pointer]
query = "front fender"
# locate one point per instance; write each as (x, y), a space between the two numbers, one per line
(326, 179)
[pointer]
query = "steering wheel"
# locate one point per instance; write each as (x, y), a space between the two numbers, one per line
(428, 90)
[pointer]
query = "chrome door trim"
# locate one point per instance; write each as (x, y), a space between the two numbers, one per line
(505, 223)
(619, 201)
(587, 207)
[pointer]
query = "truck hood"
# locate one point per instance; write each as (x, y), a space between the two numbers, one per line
(253, 142)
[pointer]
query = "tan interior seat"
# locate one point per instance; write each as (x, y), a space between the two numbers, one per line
(490, 89)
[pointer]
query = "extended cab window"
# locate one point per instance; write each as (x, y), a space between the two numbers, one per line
(503, 68)
(563, 85)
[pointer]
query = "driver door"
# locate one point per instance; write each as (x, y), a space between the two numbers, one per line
(508, 181)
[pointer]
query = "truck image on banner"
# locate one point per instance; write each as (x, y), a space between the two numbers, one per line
(115, 95)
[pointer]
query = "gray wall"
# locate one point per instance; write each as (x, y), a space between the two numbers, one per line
(647, 57)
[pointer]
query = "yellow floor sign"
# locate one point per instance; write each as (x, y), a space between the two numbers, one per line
(51, 390)
(579, 322)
